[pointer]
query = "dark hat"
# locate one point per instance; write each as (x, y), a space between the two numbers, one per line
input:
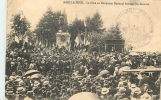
(10, 93)
(46, 83)
(63, 87)
(125, 84)
(30, 93)
(9, 89)
(19, 90)
(150, 91)
(122, 89)
(123, 63)
(14, 60)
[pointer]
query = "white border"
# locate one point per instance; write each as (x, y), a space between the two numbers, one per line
(3, 11)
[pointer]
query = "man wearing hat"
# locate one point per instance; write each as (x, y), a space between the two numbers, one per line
(112, 90)
(146, 96)
(13, 66)
(10, 95)
(121, 94)
(29, 96)
(20, 90)
(145, 79)
(123, 79)
(32, 65)
(117, 67)
(128, 91)
(98, 91)
(8, 66)
(105, 95)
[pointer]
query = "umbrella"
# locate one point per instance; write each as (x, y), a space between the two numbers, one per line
(77, 66)
(133, 54)
(18, 80)
(31, 72)
(35, 76)
(84, 96)
(122, 69)
(103, 72)
(150, 67)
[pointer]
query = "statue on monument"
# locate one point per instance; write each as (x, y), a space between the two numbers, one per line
(61, 22)
(62, 37)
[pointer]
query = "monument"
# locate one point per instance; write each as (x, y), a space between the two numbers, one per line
(62, 38)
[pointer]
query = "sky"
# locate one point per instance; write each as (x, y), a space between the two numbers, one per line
(34, 9)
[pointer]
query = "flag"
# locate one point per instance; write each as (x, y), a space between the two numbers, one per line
(40, 43)
(86, 42)
(30, 43)
(17, 39)
(79, 39)
(21, 15)
(26, 39)
(20, 38)
(37, 40)
(46, 43)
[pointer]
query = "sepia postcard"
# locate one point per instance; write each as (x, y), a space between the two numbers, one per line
(83, 50)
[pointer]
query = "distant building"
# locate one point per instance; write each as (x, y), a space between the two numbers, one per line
(115, 45)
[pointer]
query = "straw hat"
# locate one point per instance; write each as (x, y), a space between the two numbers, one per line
(10, 93)
(122, 89)
(46, 83)
(20, 90)
(133, 85)
(146, 96)
(105, 90)
(30, 93)
(36, 83)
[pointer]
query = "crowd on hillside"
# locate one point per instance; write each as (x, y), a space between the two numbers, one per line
(63, 74)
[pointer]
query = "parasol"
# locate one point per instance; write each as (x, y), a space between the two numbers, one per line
(122, 69)
(31, 72)
(35, 76)
(150, 67)
(18, 80)
(84, 96)
(103, 72)
(134, 54)
(77, 66)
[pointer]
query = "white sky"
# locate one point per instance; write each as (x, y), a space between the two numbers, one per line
(34, 9)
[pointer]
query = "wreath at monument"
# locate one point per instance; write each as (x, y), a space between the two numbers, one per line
(63, 38)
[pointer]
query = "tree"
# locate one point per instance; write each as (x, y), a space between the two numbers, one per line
(98, 40)
(76, 27)
(20, 24)
(50, 23)
(114, 32)
(94, 24)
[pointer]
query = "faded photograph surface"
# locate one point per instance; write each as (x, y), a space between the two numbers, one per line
(83, 50)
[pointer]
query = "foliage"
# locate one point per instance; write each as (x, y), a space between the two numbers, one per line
(20, 27)
(114, 32)
(50, 23)
(20, 24)
(98, 40)
(94, 24)
(76, 27)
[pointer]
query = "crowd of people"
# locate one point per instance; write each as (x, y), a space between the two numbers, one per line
(63, 74)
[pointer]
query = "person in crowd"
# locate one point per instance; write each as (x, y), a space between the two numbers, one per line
(105, 95)
(63, 74)
(121, 94)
